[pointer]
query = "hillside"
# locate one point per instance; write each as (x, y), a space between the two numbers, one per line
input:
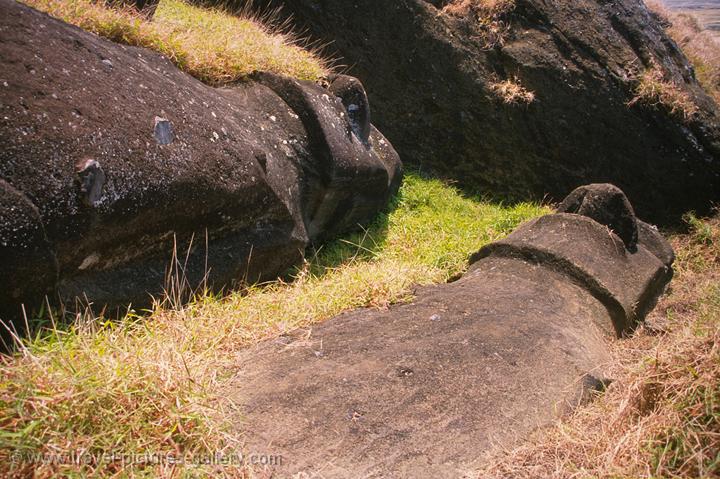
(707, 12)
(613, 98)
(698, 43)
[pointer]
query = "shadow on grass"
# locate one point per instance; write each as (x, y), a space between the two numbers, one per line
(358, 245)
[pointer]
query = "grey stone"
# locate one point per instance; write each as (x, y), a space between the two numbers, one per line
(607, 205)
(627, 282)
(164, 134)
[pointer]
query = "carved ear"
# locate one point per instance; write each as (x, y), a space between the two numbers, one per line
(608, 205)
(353, 96)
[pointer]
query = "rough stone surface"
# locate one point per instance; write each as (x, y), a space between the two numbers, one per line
(111, 157)
(653, 241)
(429, 77)
(353, 96)
(626, 281)
(423, 390)
(347, 179)
(28, 268)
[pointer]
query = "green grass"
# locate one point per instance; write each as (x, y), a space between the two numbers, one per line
(158, 384)
(211, 45)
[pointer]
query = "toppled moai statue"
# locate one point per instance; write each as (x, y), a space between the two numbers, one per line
(112, 159)
(425, 389)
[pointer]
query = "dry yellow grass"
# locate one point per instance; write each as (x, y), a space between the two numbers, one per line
(511, 92)
(661, 416)
(489, 15)
(701, 48)
(211, 45)
(653, 89)
(489, 8)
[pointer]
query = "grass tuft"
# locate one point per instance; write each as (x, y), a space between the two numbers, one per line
(511, 92)
(210, 44)
(487, 10)
(158, 384)
(653, 89)
(489, 16)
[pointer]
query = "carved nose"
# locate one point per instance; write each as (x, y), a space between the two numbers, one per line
(355, 100)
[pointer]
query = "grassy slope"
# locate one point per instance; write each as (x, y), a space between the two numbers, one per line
(699, 46)
(661, 416)
(211, 45)
(157, 384)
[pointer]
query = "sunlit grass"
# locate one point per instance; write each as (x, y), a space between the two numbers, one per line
(653, 89)
(210, 44)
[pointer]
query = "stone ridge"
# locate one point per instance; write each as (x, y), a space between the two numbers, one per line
(594, 257)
